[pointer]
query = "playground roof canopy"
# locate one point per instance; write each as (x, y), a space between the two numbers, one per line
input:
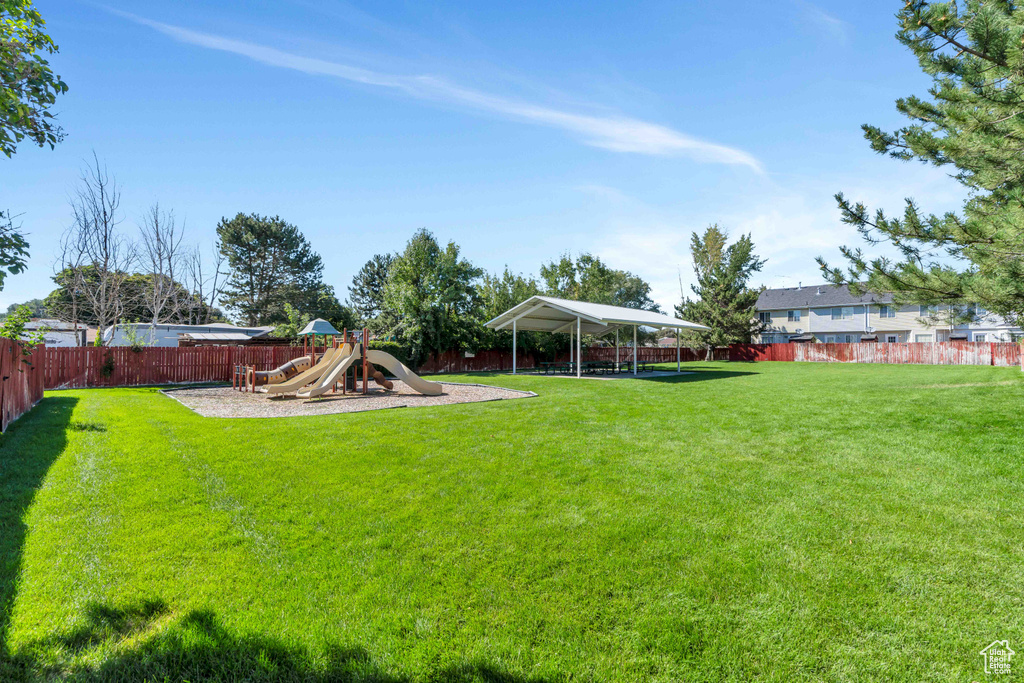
(549, 314)
(318, 326)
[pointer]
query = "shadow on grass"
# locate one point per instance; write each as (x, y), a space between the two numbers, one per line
(697, 373)
(26, 452)
(700, 374)
(145, 641)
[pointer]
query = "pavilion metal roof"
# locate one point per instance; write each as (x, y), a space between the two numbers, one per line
(550, 314)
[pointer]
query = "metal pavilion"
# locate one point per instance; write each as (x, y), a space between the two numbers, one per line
(549, 314)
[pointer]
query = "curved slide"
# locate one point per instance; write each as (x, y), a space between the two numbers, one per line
(262, 378)
(333, 375)
(399, 370)
(303, 378)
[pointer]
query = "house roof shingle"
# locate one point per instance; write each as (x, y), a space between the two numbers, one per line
(815, 295)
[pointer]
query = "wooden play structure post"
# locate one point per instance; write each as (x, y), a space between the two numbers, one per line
(366, 363)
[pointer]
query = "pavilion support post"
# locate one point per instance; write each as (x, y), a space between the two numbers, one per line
(634, 350)
(579, 349)
(616, 349)
(513, 347)
(677, 349)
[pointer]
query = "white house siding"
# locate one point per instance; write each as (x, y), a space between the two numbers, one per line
(822, 322)
(782, 325)
(906, 325)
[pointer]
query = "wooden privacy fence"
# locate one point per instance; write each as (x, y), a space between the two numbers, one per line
(22, 385)
(456, 361)
(74, 368)
(916, 353)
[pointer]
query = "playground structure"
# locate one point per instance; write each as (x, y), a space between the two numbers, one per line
(344, 362)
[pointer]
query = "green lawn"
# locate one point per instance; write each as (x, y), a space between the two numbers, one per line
(771, 521)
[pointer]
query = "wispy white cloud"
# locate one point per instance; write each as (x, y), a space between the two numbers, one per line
(614, 133)
(832, 26)
(789, 226)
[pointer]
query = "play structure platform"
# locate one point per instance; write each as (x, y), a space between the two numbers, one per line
(343, 364)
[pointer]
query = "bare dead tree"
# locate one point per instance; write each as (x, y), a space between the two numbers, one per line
(67, 272)
(101, 258)
(206, 284)
(163, 254)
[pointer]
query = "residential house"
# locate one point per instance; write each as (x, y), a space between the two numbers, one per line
(58, 332)
(832, 314)
(169, 334)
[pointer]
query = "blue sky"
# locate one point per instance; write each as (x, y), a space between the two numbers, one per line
(519, 130)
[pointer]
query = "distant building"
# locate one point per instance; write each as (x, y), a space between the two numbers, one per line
(58, 332)
(831, 314)
(169, 334)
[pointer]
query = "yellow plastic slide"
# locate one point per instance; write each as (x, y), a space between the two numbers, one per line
(304, 378)
(334, 374)
(399, 370)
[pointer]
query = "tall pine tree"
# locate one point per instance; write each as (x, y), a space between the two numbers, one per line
(366, 293)
(724, 301)
(271, 263)
(973, 122)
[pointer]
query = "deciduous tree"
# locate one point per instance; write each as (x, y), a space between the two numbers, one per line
(96, 257)
(433, 291)
(588, 278)
(13, 248)
(28, 86)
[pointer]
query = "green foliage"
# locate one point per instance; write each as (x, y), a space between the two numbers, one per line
(28, 87)
(366, 293)
(13, 246)
(498, 293)
(399, 351)
(433, 291)
(972, 122)
(37, 306)
(724, 301)
(295, 323)
(13, 327)
(324, 304)
(271, 263)
(133, 340)
(588, 278)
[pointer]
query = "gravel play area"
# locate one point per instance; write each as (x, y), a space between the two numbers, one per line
(226, 402)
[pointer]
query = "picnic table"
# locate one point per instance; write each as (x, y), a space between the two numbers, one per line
(595, 367)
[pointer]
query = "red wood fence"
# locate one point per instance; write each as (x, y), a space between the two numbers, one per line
(73, 368)
(69, 368)
(918, 353)
(22, 385)
(456, 361)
